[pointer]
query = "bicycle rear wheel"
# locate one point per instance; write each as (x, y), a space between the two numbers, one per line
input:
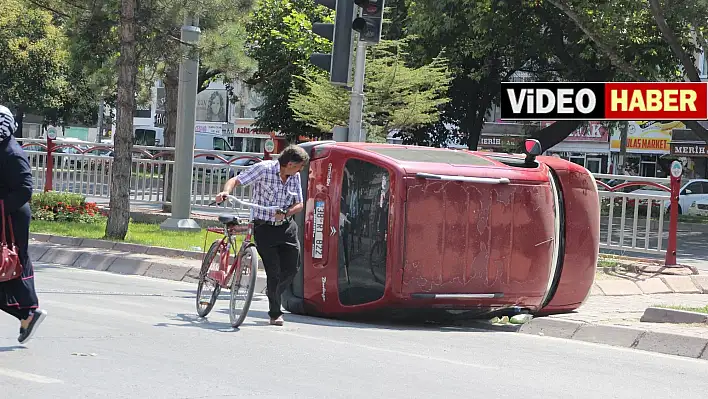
(243, 285)
(212, 258)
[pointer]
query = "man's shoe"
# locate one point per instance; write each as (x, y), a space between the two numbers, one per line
(27, 333)
(277, 322)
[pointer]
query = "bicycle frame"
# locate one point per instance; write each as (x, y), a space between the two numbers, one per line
(225, 272)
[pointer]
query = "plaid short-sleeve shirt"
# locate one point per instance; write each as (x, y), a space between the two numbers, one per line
(269, 189)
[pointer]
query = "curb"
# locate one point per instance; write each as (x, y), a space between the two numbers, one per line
(118, 246)
(123, 262)
(662, 315)
(121, 246)
(625, 337)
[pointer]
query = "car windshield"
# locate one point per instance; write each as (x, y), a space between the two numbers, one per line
(431, 156)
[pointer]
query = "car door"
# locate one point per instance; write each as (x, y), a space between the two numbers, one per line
(692, 192)
(704, 195)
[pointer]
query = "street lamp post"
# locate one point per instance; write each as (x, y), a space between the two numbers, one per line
(184, 143)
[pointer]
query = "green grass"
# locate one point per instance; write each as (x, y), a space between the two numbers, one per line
(606, 263)
(703, 309)
(138, 233)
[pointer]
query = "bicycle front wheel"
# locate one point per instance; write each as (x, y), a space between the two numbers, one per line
(208, 288)
(243, 285)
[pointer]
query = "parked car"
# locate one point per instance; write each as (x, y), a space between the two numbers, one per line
(691, 191)
(698, 208)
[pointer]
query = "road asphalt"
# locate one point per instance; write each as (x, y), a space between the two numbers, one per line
(116, 336)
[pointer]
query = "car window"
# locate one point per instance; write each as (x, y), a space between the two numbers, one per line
(221, 144)
(696, 188)
(704, 186)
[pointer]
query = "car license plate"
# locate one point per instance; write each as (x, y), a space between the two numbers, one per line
(318, 241)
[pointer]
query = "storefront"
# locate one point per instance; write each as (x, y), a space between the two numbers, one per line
(648, 151)
(688, 148)
(243, 136)
(587, 146)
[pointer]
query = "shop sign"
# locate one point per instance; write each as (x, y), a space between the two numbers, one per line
(208, 127)
(648, 137)
(689, 149)
(499, 142)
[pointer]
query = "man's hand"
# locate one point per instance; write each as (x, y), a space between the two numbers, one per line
(280, 214)
(221, 196)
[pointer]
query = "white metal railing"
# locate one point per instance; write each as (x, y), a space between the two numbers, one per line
(647, 208)
(86, 168)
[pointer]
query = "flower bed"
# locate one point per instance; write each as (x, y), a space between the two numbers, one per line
(64, 207)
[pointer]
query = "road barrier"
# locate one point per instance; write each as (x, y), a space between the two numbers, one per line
(648, 209)
(85, 168)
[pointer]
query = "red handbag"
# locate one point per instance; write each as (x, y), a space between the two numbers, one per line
(10, 267)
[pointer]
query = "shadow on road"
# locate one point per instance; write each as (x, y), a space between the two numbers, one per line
(372, 323)
(11, 348)
(192, 320)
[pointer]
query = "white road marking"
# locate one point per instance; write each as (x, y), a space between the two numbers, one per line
(396, 352)
(29, 377)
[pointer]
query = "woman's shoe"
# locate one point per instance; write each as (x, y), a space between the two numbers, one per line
(27, 333)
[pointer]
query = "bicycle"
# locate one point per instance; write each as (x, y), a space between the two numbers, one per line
(245, 264)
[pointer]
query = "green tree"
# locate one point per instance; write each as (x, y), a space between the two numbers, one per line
(119, 214)
(221, 51)
(491, 40)
(397, 97)
(281, 41)
(94, 29)
(33, 66)
(669, 34)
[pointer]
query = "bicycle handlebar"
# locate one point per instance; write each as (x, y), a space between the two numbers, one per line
(252, 205)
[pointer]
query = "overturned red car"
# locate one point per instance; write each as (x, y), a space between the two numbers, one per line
(396, 228)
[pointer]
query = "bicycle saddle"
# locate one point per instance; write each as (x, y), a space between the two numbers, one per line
(229, 219)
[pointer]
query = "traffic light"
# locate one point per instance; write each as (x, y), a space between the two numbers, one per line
(338, 63)
(369, 23)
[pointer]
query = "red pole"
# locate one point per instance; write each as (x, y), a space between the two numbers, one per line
(49, 180)
(676, 172)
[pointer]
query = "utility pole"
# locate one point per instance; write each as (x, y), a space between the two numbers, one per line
(356, 106)
(184, 143)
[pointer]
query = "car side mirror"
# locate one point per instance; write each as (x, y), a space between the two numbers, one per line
(688, 191)
(532, 149)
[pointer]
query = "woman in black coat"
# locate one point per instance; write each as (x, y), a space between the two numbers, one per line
(18, 297)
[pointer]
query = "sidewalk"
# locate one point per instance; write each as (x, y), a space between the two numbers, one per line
(610, 315)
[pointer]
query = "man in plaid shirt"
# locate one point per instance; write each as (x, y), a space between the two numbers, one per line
(275, 183)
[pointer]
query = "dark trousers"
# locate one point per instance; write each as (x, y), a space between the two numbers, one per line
(18, 297)
(279, 249)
